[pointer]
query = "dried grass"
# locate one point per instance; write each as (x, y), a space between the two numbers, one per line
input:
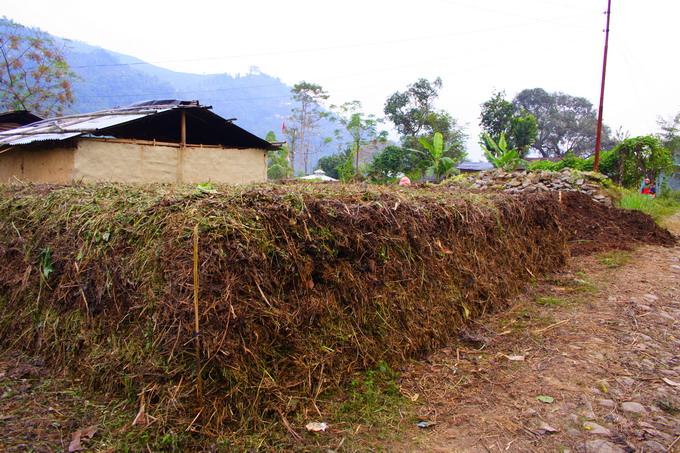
(300, 286)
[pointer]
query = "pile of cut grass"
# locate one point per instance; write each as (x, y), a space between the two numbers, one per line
(300, 286)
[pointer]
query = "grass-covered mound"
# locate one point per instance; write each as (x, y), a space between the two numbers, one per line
(299, 286)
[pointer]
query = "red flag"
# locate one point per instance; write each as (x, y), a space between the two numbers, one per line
(283, 127)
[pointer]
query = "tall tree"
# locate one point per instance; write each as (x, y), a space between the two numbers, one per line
(503, 118)
(565, 123)
(306, 115)
(33, 72)
(415, 117)
(362, 129)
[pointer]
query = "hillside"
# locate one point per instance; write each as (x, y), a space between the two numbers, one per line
(259, 101)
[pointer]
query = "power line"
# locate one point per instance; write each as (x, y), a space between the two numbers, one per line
(338, 47)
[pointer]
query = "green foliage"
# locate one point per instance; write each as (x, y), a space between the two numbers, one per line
(415, 118)
(641, 157)
(390, 162)
(362, 128)
(609, 163)
(34, 74)
(637, 201)
(503, 117)
(670, 135)
(347, 171)
(331, 164)
(499, 155)
(278, 166)
(614, 259)
(565, 123)
(434, 160)
(372, 394)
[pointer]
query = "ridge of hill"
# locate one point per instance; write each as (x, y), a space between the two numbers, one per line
(259, 101)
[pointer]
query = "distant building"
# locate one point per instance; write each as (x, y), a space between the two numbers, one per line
(318, 175)
(473, 167)
(152, 141)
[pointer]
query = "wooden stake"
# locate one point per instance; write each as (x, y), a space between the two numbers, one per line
(197, 331)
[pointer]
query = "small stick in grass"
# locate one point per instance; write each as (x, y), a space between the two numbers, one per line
(199, 380)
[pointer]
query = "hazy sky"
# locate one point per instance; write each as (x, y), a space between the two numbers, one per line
(368, 49)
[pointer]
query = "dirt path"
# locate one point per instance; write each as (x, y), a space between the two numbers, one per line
(588, 361)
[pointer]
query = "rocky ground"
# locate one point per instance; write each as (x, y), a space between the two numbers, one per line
(587, 361)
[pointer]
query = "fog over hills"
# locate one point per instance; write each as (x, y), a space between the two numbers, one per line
(259, 101)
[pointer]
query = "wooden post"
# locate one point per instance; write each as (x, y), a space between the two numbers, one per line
(598, 137)
(183, 128)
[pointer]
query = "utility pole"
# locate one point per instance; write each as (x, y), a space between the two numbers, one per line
(598, 138)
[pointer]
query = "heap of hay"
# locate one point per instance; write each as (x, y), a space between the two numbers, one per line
(299, 286)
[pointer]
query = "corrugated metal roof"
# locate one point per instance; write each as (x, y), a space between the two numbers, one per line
(70, 126)
(148, 120)
(475, 166)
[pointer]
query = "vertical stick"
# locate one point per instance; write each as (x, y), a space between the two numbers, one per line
(199, 380)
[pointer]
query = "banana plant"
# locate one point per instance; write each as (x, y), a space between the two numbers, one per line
(435, 162)
(501, 157)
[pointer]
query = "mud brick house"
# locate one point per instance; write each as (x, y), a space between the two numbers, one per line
(153, 141)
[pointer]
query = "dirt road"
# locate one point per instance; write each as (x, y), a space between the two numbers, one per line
(588, 361)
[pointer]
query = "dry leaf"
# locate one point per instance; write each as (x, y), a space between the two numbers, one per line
(514, 358)
(671, 383)
(75, 444)
(141, 416)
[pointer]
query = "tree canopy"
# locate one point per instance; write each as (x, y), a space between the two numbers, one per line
(415, 117)
(641, 157)
(361, 128)
(565, 123)
(34, 74)
(500, 117)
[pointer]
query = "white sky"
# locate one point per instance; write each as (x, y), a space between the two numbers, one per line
(368, 49)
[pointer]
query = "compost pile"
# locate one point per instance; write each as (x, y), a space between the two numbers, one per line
(592, 227)
(300, 285)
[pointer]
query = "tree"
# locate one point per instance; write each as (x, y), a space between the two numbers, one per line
(415, 117)
(670, 135)
(33, 72)
(565, 123)
(641, 157)
(390, 162)
(362, 128)
(331, 164)
(503, 118)
(278, 166)
(305, 118)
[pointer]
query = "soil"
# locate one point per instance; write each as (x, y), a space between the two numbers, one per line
(594, 338)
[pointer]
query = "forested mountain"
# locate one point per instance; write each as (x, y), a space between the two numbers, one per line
(260, 102)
